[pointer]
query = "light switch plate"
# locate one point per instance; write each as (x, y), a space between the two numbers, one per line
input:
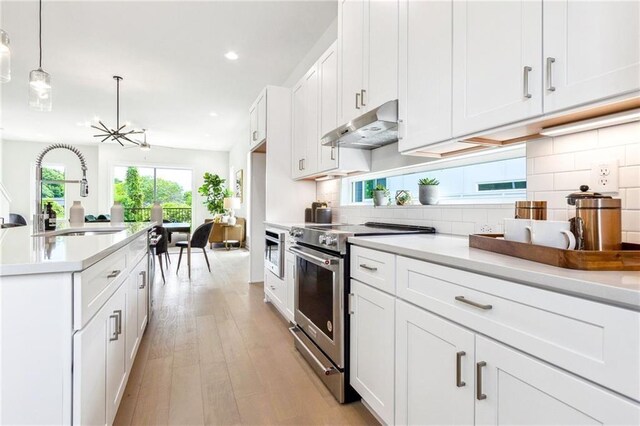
(604, 176)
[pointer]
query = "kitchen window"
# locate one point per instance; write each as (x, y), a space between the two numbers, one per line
(499, 177)
(54, 193)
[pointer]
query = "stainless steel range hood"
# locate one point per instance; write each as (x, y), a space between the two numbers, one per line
(371, 130)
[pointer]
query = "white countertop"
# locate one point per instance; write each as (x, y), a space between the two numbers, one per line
(284, 225)
(22, 254)
(613, 287)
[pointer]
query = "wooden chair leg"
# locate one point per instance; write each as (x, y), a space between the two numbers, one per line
(206, 258)
(179, 259)
(161, 268)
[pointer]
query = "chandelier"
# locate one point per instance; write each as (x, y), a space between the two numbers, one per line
(119, 133)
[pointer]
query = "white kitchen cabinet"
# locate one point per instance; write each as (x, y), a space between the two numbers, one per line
(368, 55)
(298, 142)
(513, 388)
(275, 292)
(258, 120)
(372, 347)
(131, 334)
(497, 63)
(591, 51)
(143, 296)
(116, 359)
(306, 142)
(328, 105)
(424, 99)
(290, 282)
(435, 381)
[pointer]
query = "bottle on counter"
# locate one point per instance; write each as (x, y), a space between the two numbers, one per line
(50, 220)
(117, 212)
(76, 214)
(156, 213)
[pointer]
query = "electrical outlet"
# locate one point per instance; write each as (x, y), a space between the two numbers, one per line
(604, 176)
(486, 229)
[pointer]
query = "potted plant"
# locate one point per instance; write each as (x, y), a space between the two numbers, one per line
(428, 191)
(380, 195)
(403, 197)
(213, 191)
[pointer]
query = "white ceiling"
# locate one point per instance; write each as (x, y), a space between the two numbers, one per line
(171, 55)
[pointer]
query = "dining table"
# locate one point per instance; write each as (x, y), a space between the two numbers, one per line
(182, 228)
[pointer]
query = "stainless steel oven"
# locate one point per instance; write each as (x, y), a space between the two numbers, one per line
(319, 313)
(274, 251)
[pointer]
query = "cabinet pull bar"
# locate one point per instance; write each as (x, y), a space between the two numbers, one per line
(254, 135)
(526, 93)
(550, 86)
(114, 336)
(118, 312)
(303, 163)
(368, 268)
(333, 153)
(350, 307)
(114, 273)
(144, 279)
(357, 100)
(362, 93)
(479, 395)
(459, 382)
(472, 303)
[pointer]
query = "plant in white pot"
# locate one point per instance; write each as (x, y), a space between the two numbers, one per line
(428, 191)
(380, 195)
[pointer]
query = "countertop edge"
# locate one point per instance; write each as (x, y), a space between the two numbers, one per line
(591, 290)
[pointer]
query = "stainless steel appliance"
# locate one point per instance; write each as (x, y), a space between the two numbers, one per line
(598, 221)
(321, 280)
(531, 210)
(274, 251)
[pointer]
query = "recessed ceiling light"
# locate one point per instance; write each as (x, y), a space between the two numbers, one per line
(231, 55)
(213, 114)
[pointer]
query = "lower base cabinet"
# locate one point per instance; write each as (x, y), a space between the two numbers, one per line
(447, 374)
(372, 347)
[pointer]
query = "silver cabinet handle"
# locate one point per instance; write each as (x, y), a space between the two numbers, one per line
(350, 307)
(333, 152)
(362, 93)
(114, 273)
(368, 268)
(459, 382)
(527, 70)
(114, 336)
(144, 279)
(254, 135)
(550, 86)
(357, 100)
(479, 395)
(303, 163)
(118, 312)
(272, 287)
(472, 303)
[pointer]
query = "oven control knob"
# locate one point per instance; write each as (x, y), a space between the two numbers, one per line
(331, 240)
(322, 239)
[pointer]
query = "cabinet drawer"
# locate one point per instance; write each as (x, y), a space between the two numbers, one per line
(594, 340)
(136, 249)
(95, 285)
(373, 267)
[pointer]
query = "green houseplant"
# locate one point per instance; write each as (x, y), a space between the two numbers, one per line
(380, 195)
(428, 188)
(213, 191)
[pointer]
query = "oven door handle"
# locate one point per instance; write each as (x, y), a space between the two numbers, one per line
(274, 240)
(321, 261)
(327, 371)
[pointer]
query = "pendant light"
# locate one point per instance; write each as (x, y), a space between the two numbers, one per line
(40, 80)
(5, 57)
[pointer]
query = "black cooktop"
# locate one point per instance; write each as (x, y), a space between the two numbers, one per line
(375, 228)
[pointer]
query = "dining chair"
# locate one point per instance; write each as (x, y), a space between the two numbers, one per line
(199, 239)
(162, 248)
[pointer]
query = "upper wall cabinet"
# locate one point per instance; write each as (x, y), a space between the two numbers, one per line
(424, 73)
(258, 120)
(328, 100)
(306, 141)
(591, 51)
(368, 55)
(497, 63)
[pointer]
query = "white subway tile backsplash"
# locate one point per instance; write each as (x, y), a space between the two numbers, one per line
(498, 215)
(619, 135)
(575, 142)
(631, 199)
(432, 213)
(542, 182)
(452, 214)
(632, 237)
(632, 154)
(540, 147)
(631, 220)
(462, 228)
(554, 163)
(474, 215)
(571, 180)
(585, 159)
(629, 177)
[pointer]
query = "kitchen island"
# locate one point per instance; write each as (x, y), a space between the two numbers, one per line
(74, 305)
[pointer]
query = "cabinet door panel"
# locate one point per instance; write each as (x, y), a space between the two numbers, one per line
(425, 72)
(522, 390)
(116, 358)
(372, 348)
(328, 113)
(253, 125)
(427, 348)
(310, 162)
(143, 296)
(596, 47)
(131, 332)
(381, 53)
(493, 42)
(351, 17)
(298, 142)
(262, 117)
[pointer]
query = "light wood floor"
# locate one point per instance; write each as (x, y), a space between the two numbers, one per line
(215, 353)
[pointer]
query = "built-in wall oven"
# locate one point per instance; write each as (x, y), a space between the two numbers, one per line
(274, 251)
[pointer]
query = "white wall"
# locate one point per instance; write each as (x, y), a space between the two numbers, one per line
(18, 174)
(239, 160)
(197, 161)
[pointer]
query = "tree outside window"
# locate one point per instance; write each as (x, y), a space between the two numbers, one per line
(53, 192)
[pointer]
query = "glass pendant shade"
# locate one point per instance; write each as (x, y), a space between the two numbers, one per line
(40, 90)
(5, 58)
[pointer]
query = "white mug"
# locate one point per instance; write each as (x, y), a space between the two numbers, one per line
(517, 230)
(552, 233)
